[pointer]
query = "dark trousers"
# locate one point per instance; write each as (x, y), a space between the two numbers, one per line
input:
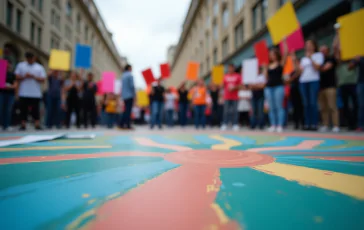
(257, 118)
(6, 106)
(73, 105)
(215, 115)
(200, 117)
(349, 97)
(157, 114)
(29, 105)
(53, 111)
(110, 119)
(89, 114)
(183, 113)
(244, 118)
(126, 118)
(169, 117)
(295, 97)
(309, 94)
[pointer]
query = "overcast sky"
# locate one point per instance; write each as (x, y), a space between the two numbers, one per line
(143, 29)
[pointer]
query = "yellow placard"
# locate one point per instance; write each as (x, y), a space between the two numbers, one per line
(283, 23)
(59, 60)
(142, 98)
(1, 53)
(218, 74)
(351, 34)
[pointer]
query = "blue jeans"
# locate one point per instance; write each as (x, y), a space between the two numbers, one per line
(275, 97)
(257, 118)
(157, 114)
(309, 94)
(6, 106)
(53, 111)
(360, 93)
(230, 112)
(126, 118)
(183, 113)
(169, 117)
(200, 118)
(110, 119)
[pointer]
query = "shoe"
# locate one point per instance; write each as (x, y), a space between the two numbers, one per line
(323, 129)
(223, 128)
(22, 128)
(336, 129)
(271, 129)
(38, 128)
(9, 129)
(279, 129)
(313, 128)
(236, 128)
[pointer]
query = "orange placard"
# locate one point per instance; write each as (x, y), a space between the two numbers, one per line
(192, 71)
(288, 67)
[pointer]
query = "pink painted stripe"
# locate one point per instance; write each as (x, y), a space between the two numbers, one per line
(302, 146)
(148, 142)
(75, 157)
(352, 159)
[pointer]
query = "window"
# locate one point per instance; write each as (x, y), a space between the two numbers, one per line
(201, 69)
(255, 18)
(56, 3)
(33, 2)
(39, 36)
(282, 2)
(19, 17)
(86, 32)
(68, 32)
(216, 31)
(208, 64)
(264, 11)
(55, 19)
(40, 5)
(78, 25)
(54, 43)
(225, 17)
(69, 9)
(216, 8)
(215, 56)
(239, 35)
(208, 21)
(238, 5)
(225, 47)
(207, 43)
(32, 32)
(9, 14)
(201, 49)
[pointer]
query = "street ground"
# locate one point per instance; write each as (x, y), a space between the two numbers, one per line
(183, 179)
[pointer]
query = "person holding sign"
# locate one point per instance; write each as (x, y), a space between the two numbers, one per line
(157, 100)
(274, 91)
(232, 81)
(31, 76)
(309, 71)
(199, 96)
(182, 103)
(257, 101)
(55, 84)
(7, 96)
(89, 101)
(73, 88)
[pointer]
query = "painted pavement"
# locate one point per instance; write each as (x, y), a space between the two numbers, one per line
(184, 180)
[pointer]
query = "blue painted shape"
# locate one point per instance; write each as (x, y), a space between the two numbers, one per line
(34, 205)
(285, 204)
(167, 140)
(83, 56)
(355, 168)
(243, 140)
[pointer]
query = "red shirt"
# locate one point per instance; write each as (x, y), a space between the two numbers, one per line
(231, 80)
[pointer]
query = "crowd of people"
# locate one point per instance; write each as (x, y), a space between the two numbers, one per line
(320, 84)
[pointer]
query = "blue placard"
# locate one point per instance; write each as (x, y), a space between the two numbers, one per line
(83, 56)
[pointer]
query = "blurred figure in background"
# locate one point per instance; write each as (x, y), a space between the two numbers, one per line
(257, 102)
(73, 87)
(182, 104)
(358, 63)
(215, 113)
(157, 102)
(55, 84)
(89, 101)
(7, 97)
(169, 107)
(128, 95)
(111, 104)
(244, 107)
(199, 95)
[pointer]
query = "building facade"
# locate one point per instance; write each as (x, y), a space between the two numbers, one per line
(170, 54)
(42, 25)
(224, 31)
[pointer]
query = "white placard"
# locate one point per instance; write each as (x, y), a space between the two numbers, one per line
(250, 71)
(117, 86)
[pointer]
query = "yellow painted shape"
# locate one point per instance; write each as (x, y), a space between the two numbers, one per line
(218, 74)
(220, 213)
(351, 34)
(76, 223)
(283, 23)
(227, 143)
(53, 148)
(85, 195)
(60, 60)
(350, 185)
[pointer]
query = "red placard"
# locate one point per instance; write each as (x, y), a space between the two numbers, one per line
(99, 87)
(165, 70)
(148, 76)
(262, 52)
(295, 41)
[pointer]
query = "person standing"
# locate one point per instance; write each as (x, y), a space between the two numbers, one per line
(7, 96)
(257, 102)
(157, 100)
(199, 96)
(169, 107)
(111, 105)
(359, 63)
(215, 113)
(232, 81)
(128, 95)
(30, 75)
(244, 107)
(55, 84)
(89, 101)
(327, 95)
(309, 69)
(182, 103)
(274, 91)
(73, 88)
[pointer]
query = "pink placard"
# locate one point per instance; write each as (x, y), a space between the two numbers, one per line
(295, 41)
(108, 81)
(3, 69)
